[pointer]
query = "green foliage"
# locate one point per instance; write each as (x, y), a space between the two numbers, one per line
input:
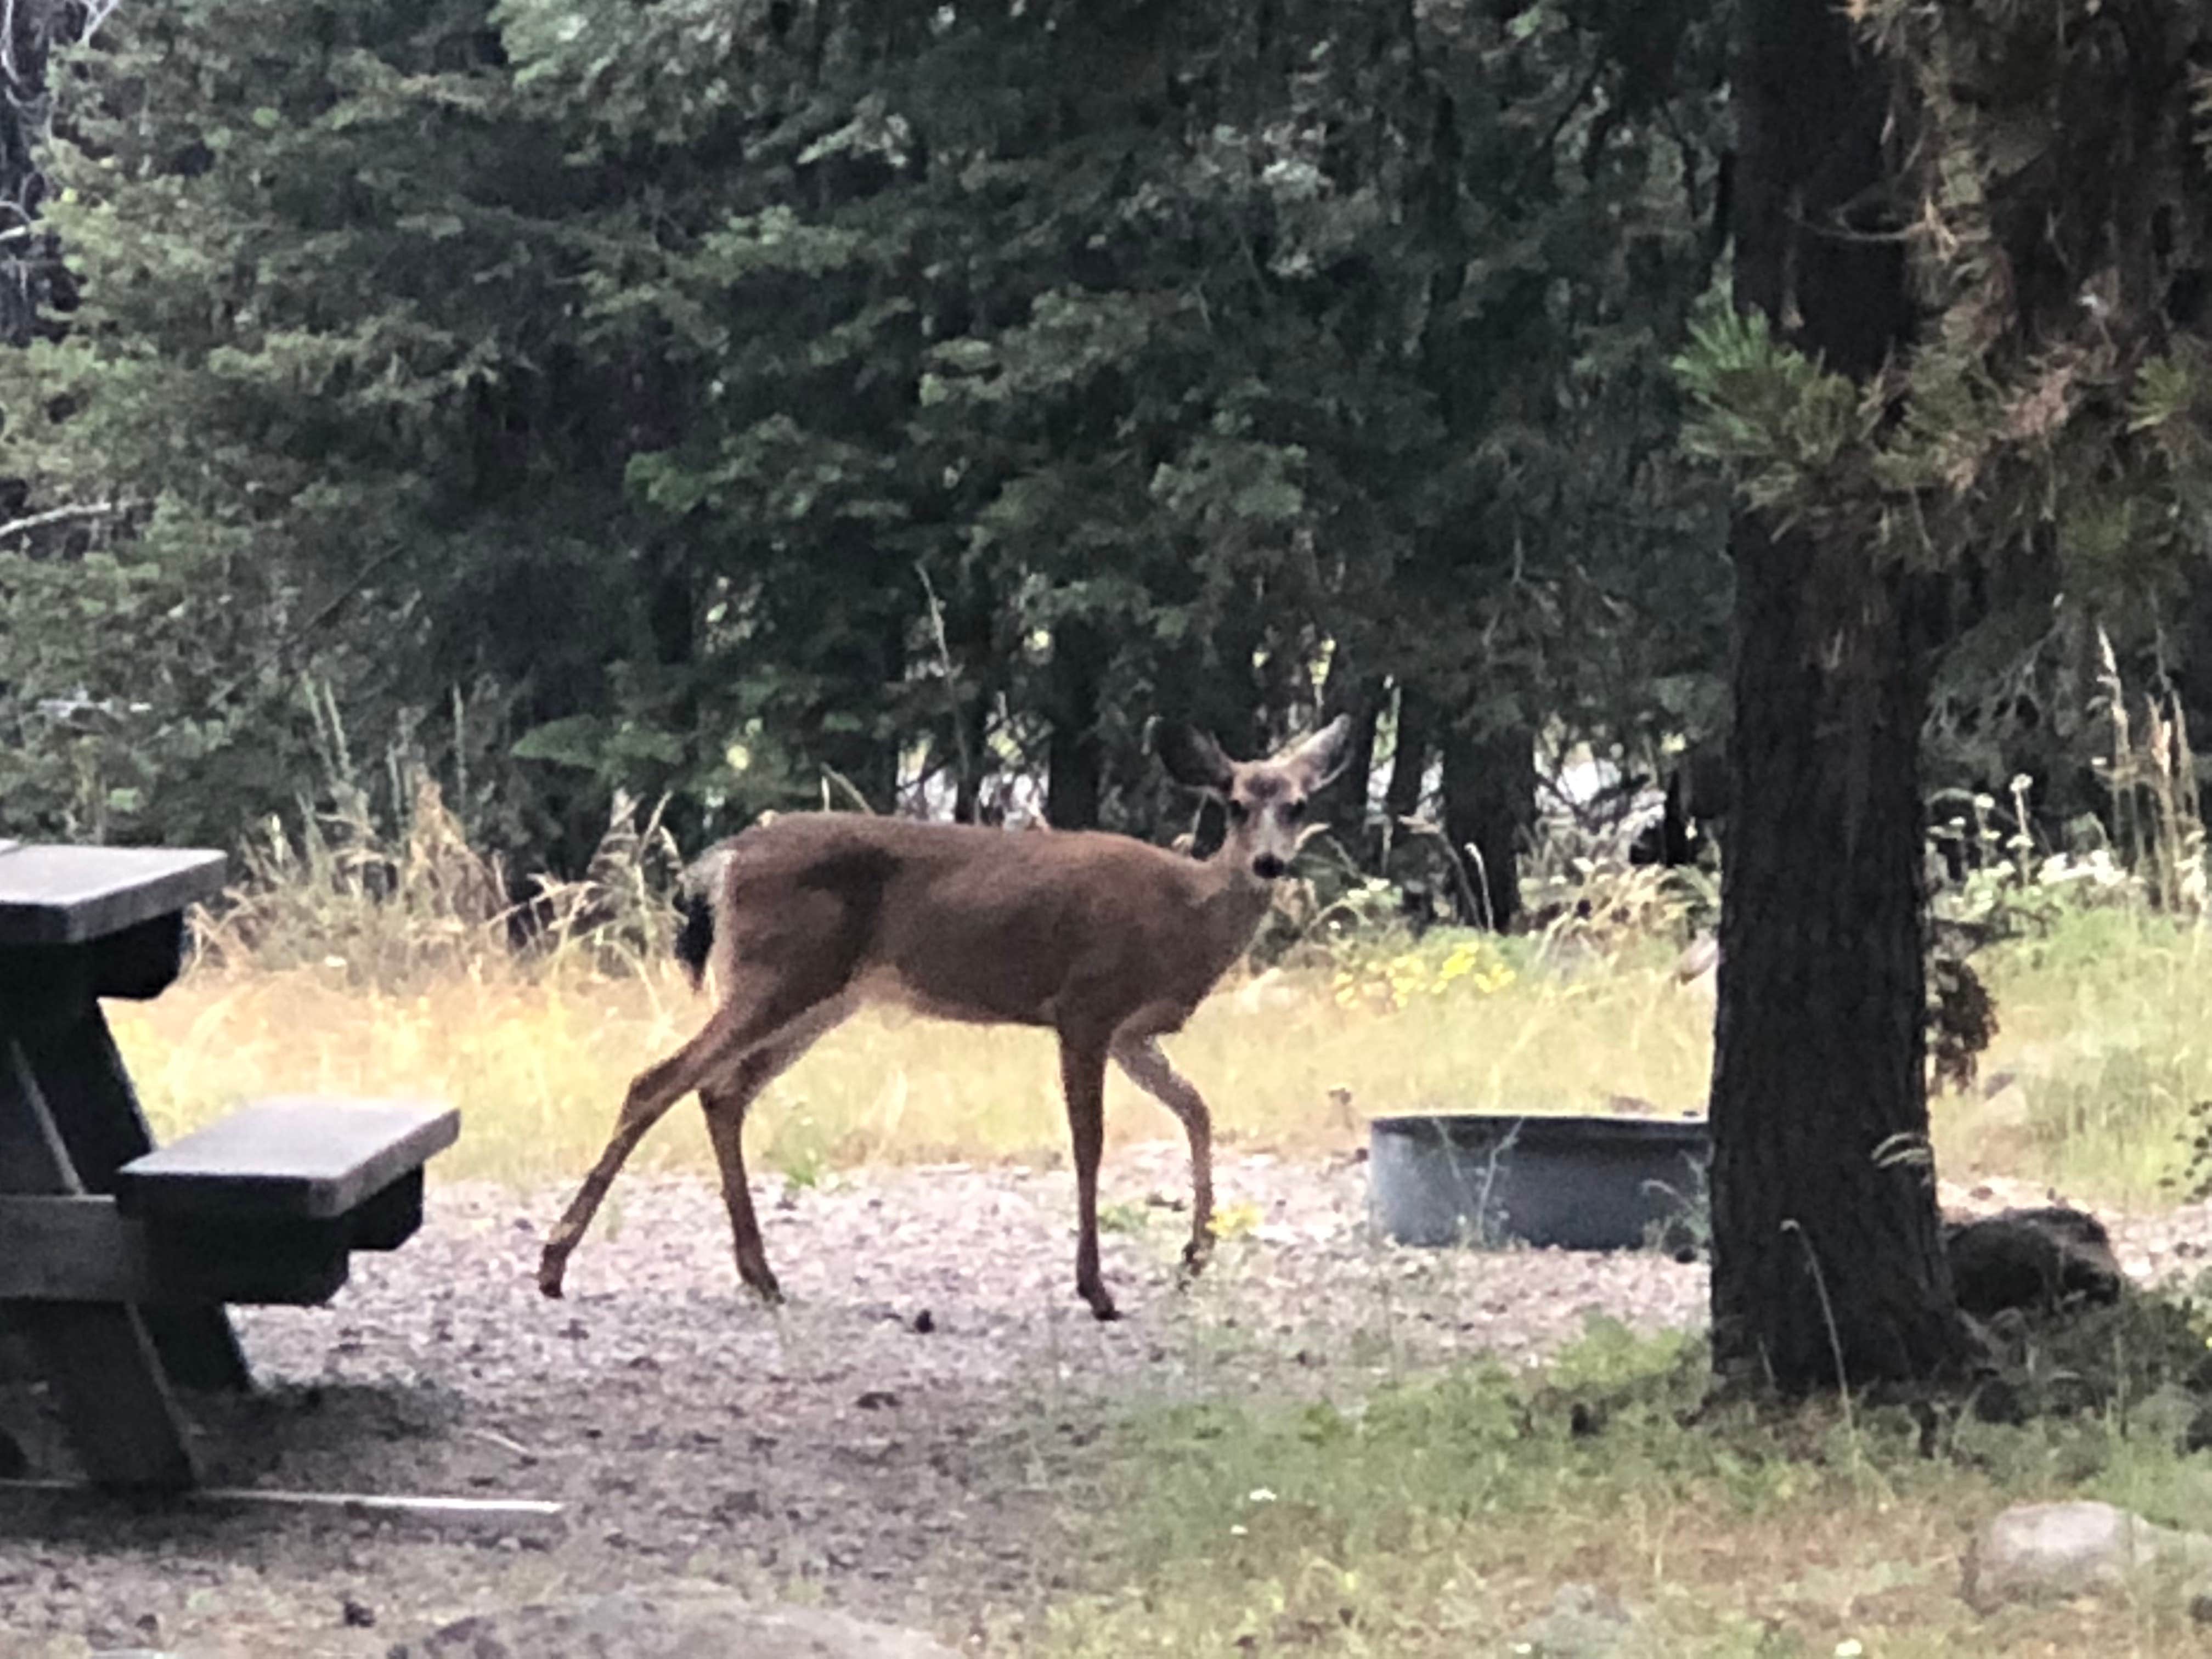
(2055, 406)
(729, 400)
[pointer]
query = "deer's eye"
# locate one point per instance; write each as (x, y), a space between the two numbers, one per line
(1294, 810)
(1238, 812)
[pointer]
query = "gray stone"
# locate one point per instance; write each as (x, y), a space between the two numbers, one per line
(1584, 1623)
(680, 1620)
(2038, 1552)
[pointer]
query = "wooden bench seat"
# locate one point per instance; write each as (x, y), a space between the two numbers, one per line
(299, 1157)
(264, 1207)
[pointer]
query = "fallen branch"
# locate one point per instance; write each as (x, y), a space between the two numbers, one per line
(61, 515)
(502, 1512)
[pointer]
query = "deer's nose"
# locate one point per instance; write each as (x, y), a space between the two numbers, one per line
(1268, 867)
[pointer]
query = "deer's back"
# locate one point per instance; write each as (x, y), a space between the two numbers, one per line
(976, 923)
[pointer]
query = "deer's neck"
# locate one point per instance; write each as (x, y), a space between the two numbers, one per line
(1231, 904)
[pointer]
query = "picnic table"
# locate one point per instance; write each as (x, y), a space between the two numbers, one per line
(118, 1259)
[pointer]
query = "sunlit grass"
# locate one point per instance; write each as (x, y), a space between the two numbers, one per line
(2107, 1035)
(537, 1062)
(2104, 1038)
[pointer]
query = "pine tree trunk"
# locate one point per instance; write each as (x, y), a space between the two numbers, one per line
(1074, 760)
(976, 676)
(28, 258)
(1490, 801)
(1827, 1249)
(1361, 696)
(1825, 1243)
(1409, 761)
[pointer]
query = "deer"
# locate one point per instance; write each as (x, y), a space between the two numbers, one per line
(1108, 941)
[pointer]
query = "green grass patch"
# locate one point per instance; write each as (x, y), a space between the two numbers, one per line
(2107, 1035)
(1442, 1517)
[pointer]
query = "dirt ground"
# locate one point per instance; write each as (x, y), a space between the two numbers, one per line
(931, 1477)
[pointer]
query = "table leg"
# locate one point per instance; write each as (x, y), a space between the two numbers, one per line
(101, 1364)
(80, 1074)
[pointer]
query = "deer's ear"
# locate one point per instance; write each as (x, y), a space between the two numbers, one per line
(1322, 756)
(1193, 758)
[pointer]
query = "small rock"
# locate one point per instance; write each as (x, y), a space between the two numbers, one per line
(2035, 1552)
(680, 1620)
(357, 1616)
(923, 1323)
(877, 1400)
(1584, 1623)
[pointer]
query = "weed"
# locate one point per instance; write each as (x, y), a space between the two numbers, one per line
(1127, 1216)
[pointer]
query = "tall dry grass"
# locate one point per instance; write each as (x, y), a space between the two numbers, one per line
(536, 1057)
(356, 961)
(360, 961)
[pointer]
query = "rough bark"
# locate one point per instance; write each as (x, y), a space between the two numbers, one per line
(28, 259)
(969, 628)
(1490, 802)
(1409, 761)
(1697, 803)
(1361, 696)
(32, 281)
(1827, 1249)
(1075, 758)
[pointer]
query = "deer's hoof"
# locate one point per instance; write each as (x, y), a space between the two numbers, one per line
(553, 1264)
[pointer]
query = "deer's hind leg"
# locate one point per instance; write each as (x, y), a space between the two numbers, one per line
(759, 1007)
(726, 1100)
(1143, 1065)
(1083, 1078)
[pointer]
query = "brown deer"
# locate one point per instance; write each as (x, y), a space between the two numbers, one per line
(1108, 941)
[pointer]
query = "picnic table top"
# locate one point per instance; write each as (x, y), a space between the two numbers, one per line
(54, 895)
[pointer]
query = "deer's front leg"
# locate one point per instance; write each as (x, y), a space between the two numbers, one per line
(1142, 1062)
(1083, 1078)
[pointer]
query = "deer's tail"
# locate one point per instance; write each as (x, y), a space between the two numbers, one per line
(697, 899)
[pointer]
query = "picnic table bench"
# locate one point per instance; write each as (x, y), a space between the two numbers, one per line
(117, 1259)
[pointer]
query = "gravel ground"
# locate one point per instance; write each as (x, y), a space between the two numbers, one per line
(928, 1476)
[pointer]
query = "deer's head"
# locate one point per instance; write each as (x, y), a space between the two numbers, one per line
(1266, 799)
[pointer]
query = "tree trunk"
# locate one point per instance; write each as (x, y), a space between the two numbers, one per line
(1697, 802)
(969, 621)
(28, 259)
(32, 279)
(1409, 762)
(1074, 758)
(2196, 675)
(1827, 1253)
(1361, 696)
(866, 663)
(1490, 802)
